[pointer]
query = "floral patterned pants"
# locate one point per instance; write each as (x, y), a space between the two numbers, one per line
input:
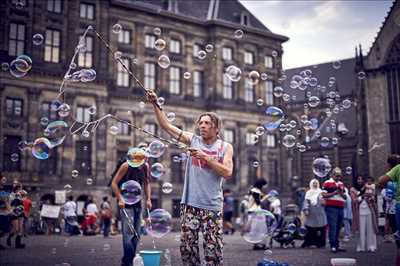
(194, 220)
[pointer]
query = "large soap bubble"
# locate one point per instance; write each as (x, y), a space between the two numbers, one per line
(41, 148)
(275, 117)
(56, 132)
(233, 73)
(259, 225)
(136, 157)
(156, 149)
(160, 223)
(131, 192)
(321, 167)
(157, 171)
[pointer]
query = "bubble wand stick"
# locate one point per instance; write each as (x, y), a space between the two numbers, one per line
(130, 223)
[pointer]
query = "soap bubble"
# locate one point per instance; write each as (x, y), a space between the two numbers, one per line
(163, 61)
(259, 225)
(114, 130)
(321, 167)
(264, 76)
(201, 54)
(209, 48)
(361, 75)
(157, 31)
(302, 148)
(238, 34)
(157, 171)
(289, 141)
(64, 110)
(187, 75)
(131, 192)
(233, 73)
(89, 181)
(72, 65)
(75, 173)
(260, 102)
(348, 170)
(160, 223)
(293, 123)
(254, 77)
(260, 131)
(56, 132)
(336, 64)
(160, 44)
(313, 101)
(256, 164)
(68, 188)
(118, 55)
(278, 91)
(54, 105)
(22, 145)
(14, 157)
(37, 39)
(346, 103)
(176, 159)
(136, 157)
(286, 97)
(24, 67)
(16, 65)
(117, 28)
(41, 148)
(156, 149)
(171, 116)
(44, 121)
(161, 101)
(274, 118)
(5, 66)
(85, 134)
(324, 142)
(92, 110)
(274, 53)
(166, 187)
(360, 152)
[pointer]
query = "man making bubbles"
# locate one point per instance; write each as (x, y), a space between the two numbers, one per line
(210, 162)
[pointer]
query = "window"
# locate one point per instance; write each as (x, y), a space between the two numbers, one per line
(271, 142)
(47, 112)
(16, 40)
(54, 6)
(124, 129)
(175, 46)
(151, 127)
(13, 107)
(11, 154)
(244, 20)
(149, 41)
(87, 11)
(83, 157)
(150, 76)
(227, 88)
(52, 46)
(229, 135)
(174, 80)
(248, 58)
(248, 91)
(269, 61)
(122, 74)
(49, 166)
(227, 53)
(83, 114)
(196, 49)
(251, 138)
(176, 169)
(197, 83)
(85, 59)
(269, 90)
(124, 36)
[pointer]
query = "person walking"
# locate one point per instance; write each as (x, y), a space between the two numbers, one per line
(210, 162)
(106, 216)
(335, 199)
(315, 217)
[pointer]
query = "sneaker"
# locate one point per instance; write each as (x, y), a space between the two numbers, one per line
(333, 250)
(346, 239)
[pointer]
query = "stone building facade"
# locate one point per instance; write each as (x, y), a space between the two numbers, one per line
(187, 27)
(382, 93)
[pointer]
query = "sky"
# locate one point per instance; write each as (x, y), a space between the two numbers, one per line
(321, 31)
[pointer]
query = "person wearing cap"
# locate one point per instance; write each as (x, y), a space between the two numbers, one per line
(335, 199)
(210, 162)
(138, 170)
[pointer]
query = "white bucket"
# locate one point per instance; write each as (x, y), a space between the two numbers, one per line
(343, 262)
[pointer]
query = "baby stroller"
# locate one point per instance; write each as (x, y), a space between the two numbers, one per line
(289, 228)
